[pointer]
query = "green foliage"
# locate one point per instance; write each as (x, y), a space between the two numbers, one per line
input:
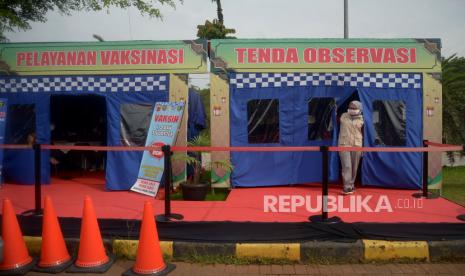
(190, 160)
(202, 140)
(454, 183)
(453, 91)
(17, 14)
(214, 29)
(205, 176)
(201, 258)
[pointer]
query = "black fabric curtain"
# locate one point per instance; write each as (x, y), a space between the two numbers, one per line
(21, 123)
(135, 122)
(390, 123)
(259, 231)
(263, 121)
(320, 115)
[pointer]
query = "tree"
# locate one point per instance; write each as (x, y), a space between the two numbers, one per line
(219, 11)
(18, 14)
(453, 91)
(215, 28)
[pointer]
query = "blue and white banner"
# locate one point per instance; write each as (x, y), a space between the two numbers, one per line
(164, 125)
(3, 109)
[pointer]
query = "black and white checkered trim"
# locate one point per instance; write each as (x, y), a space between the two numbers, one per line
(374, 80)
(140, 83)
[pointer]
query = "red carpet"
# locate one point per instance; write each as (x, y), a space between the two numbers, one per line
(243, 204)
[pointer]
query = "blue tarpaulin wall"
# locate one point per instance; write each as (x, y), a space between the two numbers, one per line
(393, 169)
(197, 119)
(293, 91)
(122, 167)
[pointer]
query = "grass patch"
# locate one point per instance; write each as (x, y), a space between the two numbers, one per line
(396, 261)
(454, 184)
(229, 259)
(310, 256)
(218, 194)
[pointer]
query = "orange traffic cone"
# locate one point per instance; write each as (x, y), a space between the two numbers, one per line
(16, 259)
(54, 256)
(149, 260)
(91, 254)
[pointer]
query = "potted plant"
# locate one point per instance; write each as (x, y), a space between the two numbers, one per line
(197, 187)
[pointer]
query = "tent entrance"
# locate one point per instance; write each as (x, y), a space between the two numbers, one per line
(283, 116)
(77, 120)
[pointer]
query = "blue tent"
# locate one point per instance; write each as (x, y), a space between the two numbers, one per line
(125, 96)
(301, 109)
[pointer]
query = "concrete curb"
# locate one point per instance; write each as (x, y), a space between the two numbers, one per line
(391, 250)
(446, 250)
(332, 252)
(306, 252)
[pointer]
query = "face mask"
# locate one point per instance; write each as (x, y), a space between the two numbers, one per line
(354, 112)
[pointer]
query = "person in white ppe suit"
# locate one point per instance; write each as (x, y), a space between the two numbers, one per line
(350, 135)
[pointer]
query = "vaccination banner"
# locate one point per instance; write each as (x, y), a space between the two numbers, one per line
(164, 125)
(115, 57)
(325, 55)
(3, 109)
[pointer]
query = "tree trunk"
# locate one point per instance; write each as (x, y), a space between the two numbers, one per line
(219, 11)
